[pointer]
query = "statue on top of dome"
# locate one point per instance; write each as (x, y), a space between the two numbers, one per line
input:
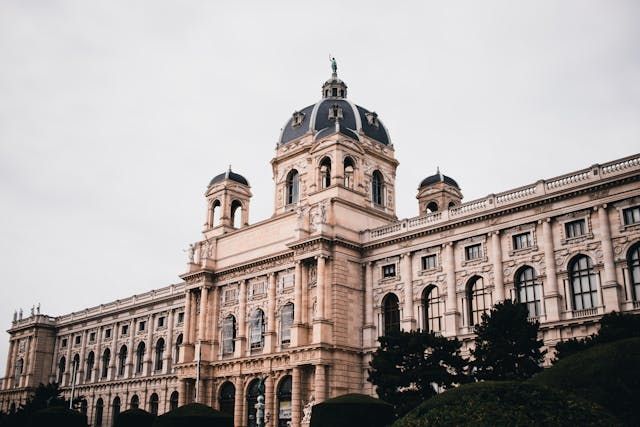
(334, 65)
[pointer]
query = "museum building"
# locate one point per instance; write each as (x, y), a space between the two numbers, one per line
(299, 299)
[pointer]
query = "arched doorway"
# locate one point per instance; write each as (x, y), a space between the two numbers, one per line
(227, 398)
(252, 398)
(284, 402)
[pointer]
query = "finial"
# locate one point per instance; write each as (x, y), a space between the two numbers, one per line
(226, 175)
(439, 173)
(334, 66)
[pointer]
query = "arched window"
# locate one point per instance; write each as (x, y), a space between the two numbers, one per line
(122, 360)
(584, 289)
(377, 188)
(173, 401)
(115, 410)
(75, 367)
(528, 291)
(452, 205)
(153, 404)
(18, 369)
(256, 328)
(12, 408)
(286, 321)
(99, 411)
(176, 358)
(478, 300)
(432, 207)
(391, 314)
(91, 360)
(159, 354)
(236, 214)
(227, 398)
(106, 358)
(432, 320)
(228, 334)
(349, 167)
(633, 264)
(252, 398)
(293, 186)
(135, 402)
(83, 407)
(284, 401)
(62, 364)
(215, 213)
(325, 173)
(140, 357)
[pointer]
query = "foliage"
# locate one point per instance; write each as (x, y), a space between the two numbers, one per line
(613, 326)
(506, 403)
(407, 366)
(506, 344)
(57, 416)
(352, 410)
(194, 415)
(44, 396)
(134, 417)
(608, 374)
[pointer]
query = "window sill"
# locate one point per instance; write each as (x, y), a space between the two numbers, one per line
(474, 261)
(577, 239)
(523, 251)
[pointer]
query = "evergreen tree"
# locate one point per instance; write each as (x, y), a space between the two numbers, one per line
(506, 344)
(410, 367)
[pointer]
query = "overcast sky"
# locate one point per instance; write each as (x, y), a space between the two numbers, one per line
(114, 115)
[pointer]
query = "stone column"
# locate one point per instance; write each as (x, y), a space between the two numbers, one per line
(7, 372)
(409, 322)
(271, 314)
(202, 324)
(26, 363)
(368, 330)
(238, 408)
(83, 358)
(241, 341)
(297, 309)
(15, 382)
(182, 392)
(320, 383)
(67, 369)
(54, 366)
(452, 314)
(498, 276)
(269, 400)
(168, 347)
(296, 395)
(187, 318)
(551, 295)
(213, 331)
(115, 351)
(132, 351)
(320, 288)
(610, 287)
(149, 354)
(304, 283)
(193, 321)
(96, 354)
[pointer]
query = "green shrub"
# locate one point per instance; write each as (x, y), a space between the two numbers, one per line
(134, 418)
(57, 416)
(608, 374)
(352, 410)
(506, 403)
(194, 415)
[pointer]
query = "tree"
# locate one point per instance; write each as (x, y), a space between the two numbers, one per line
(613, 327)
(42, 397)
(506, 344)
(410, 367)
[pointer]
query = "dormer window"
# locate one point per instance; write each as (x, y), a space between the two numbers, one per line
(335, 112)
(297, 119)
(372, 119)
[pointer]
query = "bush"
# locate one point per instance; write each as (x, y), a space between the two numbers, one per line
(194, 415)
(134, 418)
(506, 403)
(608, 374)
(57, 416)
(352, 410)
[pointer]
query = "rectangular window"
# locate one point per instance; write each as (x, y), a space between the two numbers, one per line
(631, 215)
(230, 295)
(64, 342)
(92, 337)
(142, 325)
(77, 340)
(287, 281)
(180, 318)
(389, 270)
(125, 330)
(107, 333)
(160, 321)
(473, 252)
(522, 241)
(575, 228)
(258, 289)
(429, 262)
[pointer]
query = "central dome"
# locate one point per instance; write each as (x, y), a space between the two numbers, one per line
(334, 114)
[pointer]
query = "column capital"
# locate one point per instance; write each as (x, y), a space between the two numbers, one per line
(494, 233)
(447, 244)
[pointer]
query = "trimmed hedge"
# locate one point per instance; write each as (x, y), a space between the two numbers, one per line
(134, 418)
(506, 403)
(57, 416)
(194, 415)
(608, 374)
(352, 410)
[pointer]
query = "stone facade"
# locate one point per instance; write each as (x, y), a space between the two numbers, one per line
(300, 298)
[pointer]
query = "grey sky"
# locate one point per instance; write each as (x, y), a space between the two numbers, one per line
(114, 115)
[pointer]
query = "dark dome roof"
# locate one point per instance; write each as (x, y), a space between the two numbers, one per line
(231, 176)
(439, 177)
(320, 118)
